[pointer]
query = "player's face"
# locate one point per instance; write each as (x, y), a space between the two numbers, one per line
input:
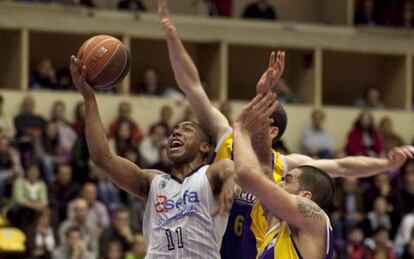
(290, 182)
(184, 142)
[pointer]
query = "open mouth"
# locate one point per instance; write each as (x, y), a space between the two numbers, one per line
(175, 144)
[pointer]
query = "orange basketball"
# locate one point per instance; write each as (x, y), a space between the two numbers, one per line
(107, 61)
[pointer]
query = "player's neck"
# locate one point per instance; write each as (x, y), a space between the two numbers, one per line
(181, 170)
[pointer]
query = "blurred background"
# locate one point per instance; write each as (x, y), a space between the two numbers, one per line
(349, 68)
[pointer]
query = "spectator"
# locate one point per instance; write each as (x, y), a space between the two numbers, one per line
(150, 84)
(44, 77)
(409, 250)
(380, 245)
(389, 138)
(78, 219)
(222, 8)
(114, 250)
(403, 198)
(260, 9)
(381, 187)
(6, 124)
(120, 230)
(405, 232)
(41, 238)
(74, 245)
(316, 141)
(123, 141)
(28, 126)
(364, 139)
(29, 197)
(378, 217)
(138, 250)
(366, 13)
(9, 167)
(132, 5)
(150, 147)
(355, 248)
(371, 99)
(79, 124)
(64, 79)
(165, 119)
(62, 191)
(108, 193)
(49, 151)
(225, 109)
(284, 93)
(67, 135)
(124, 115)
(408, 14)
(164, 165)
(97, 211)
(348, 206)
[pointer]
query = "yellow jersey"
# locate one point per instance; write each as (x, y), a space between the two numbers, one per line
(278, 243)
(246, 227)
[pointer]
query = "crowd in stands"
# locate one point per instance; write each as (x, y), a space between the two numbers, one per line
(53, 192)
(398, 13)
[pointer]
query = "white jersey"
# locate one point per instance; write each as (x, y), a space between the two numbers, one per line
(177, 219)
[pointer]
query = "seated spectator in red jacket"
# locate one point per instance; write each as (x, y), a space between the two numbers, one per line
(124, 115)
(355, 248)
(223, 7)
(363, 139)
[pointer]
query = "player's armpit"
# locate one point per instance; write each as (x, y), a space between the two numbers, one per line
(128, 176)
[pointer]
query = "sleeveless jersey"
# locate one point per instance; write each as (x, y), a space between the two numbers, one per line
(246, 226)
(177, 219)
(279, 244)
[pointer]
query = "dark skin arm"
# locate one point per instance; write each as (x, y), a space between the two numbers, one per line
(222, 180)
(125, 174)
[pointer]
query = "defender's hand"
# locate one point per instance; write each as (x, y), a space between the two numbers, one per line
(256, 114)
(399, 155)
(273, 73)
(165, 19)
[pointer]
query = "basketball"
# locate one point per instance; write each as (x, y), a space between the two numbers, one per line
(107, 61)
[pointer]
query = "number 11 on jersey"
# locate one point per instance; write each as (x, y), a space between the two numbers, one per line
(170, 240)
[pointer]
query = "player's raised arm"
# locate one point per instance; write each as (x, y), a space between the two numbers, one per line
(122, 172)
(188, 79)
(302, 213)
(355, 166)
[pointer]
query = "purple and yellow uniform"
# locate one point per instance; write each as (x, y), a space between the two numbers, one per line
(246, 227)
(278, 243)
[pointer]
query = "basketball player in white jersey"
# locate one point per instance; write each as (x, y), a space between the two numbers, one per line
(178, 221)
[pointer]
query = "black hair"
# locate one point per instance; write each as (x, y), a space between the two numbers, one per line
(279, 120)
(358, 124)
(319, 183)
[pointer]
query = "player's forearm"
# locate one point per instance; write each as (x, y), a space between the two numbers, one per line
(262, 147)
(185, 71)
(356, 166)
(246, 163)
(95, 134)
